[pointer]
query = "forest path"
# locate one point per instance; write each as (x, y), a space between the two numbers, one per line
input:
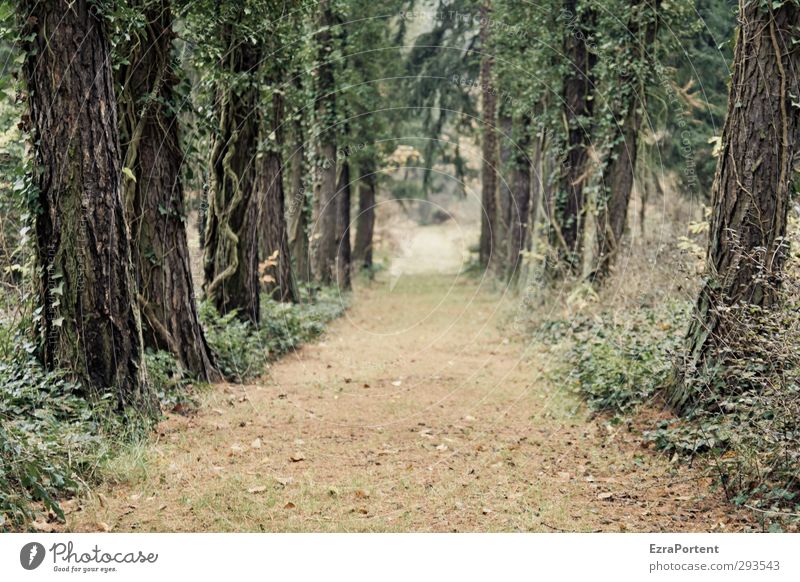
(416, 412)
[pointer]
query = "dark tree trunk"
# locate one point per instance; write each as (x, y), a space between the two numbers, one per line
(343, 253)
(488, 237)
(298, 211)
(154, 198)
(323, 234)
(520, 206)
(620, 167)
(501, 259)
(273, 238)
(90, 324)
(747, 247)
(566, 234)
(365, 225)
(231, 241)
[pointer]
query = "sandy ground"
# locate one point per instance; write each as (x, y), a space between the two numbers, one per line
(416, 412)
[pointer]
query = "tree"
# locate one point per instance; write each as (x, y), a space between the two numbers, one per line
(488, 239)
(153, 191)
(323, 234)
(620, 166)
(89, 321)
(520, 219)
(750, 198)
(273, 237)
(231, 234)
(566, 232)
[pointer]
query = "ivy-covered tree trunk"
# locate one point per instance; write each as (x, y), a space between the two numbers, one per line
(231, 237)
(298, 206)
(566, 232)
(273, 237)
(154, 196)
(323, 232)
(521, 200)
(500, 257)
(488, 237)
(365, 223)
(747, 247)
(620, 167)
(343, 253)
(89, 321)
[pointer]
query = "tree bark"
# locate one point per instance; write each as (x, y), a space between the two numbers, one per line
(751, 193)
(521, 201)
(298, 212)
(501, 258)
(365, 225)
(273, 236)
(323, 234)
(620, 167)
(154, 197)
(90, 323)
(343, 254)
(488, 238)
(231, 241)
(566, 233)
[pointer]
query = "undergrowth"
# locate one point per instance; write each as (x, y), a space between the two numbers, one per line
(749, 435)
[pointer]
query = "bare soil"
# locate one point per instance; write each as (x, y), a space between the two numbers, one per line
(418, 411)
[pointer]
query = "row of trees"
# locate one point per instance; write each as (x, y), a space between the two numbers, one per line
(568, 96)
(261, 89)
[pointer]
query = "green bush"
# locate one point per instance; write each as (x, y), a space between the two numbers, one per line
(51, 439)
(242, 351)
(619, 364)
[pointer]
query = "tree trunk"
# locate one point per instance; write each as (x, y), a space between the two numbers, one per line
(343, 254)
(566, 234)
(747, 247)
(323, 235)
(365, 226)
(501, 258)
(154, 198)
(520, 206)
(90, 323)
(273, 237)
(231, 243)
(298, 211)
(488, 237)
(620, 167)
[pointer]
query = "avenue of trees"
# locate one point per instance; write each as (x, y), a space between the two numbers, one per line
(274, 121)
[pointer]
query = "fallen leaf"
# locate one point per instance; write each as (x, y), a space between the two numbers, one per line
(256, 444)
(604, 496)
(289, 505)
(361, 494)
(258, 489)
(397, 383)
(103, 526)
(297, 457)
(486, 511)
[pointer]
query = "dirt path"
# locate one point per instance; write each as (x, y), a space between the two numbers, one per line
(415, 413)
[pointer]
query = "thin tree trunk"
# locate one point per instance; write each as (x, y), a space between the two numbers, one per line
(751, 193)
(365, 225)
(154, 198)
(298, 211)
(273, 237)
(520, 206)
(566, 236)
(90, 323)
(620, 166)
(231, 242)
(323, 234)
(488, 238)
(343, 254)
(501, 258)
